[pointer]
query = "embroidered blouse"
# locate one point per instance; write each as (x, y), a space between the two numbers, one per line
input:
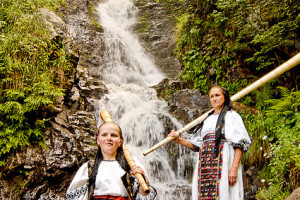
(108, 182)
(234, 130)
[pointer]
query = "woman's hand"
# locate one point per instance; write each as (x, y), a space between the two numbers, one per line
(232, 177)
(181, 141)
(173, 134)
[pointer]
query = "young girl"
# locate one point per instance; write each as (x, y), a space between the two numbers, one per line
(109, 176)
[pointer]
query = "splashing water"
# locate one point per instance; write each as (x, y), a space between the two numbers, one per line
(128, 72)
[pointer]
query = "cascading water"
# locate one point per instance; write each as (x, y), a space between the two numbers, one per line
(128, 72)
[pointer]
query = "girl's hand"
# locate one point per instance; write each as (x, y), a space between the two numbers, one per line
(137, 170)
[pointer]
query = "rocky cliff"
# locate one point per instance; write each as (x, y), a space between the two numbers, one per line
(44, 172)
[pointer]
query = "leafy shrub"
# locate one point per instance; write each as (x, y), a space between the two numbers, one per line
(218, 35)
(275, 149)
(32, 72)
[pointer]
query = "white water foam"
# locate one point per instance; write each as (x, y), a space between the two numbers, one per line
(128, 72)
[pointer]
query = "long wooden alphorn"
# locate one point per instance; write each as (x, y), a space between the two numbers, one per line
(105, 116)
(271, 75)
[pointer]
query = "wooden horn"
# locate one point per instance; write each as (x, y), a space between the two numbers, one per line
(271, 75)
(106, 117)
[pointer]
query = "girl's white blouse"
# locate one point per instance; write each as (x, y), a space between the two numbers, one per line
(108, 181)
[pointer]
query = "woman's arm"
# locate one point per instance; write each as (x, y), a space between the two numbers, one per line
(232, 176)
(181, 141)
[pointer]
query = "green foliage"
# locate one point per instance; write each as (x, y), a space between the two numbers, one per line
(275, 149)
(196, 69)
(216, 37)
(287, 106)
(262, 95)
(170, 91)
(274, 192)
(32, 72)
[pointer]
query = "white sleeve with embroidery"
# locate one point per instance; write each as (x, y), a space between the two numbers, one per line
(78, 189)
(235, 131)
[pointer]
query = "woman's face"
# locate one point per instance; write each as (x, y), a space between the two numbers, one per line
(109, 139)
(217, 98)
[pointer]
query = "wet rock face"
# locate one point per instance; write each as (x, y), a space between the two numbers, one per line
(157, 31)
(83, 28)
(188, 104)
(55, 24)
(185, 104)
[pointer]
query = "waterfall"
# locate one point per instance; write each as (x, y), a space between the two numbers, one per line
(128, 73)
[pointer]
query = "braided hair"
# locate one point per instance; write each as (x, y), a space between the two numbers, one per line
(228, 101)
(99, 157)
(221, 119)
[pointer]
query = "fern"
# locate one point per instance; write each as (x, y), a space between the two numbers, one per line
(32, 72)
(13, 110)
(287, 105)
(275, 150)
(14, 94)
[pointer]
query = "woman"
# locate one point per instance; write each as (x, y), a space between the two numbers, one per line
(109, 176)
(220, 139)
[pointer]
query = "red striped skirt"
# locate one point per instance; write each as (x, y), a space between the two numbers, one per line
(209, 168)
(109, 197)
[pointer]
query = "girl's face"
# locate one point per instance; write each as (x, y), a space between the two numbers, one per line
(109, 139)
(217, 98)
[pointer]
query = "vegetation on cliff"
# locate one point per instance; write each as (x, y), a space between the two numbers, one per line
(218, 37)
(275, 150)
(232, 43)
(33, 66)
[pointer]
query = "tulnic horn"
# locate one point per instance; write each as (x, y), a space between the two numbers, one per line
(106, 117)
(271, 75)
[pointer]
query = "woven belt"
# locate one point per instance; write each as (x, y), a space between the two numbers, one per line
(109, 197)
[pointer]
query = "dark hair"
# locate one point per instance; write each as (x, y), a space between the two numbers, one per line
(99, 157)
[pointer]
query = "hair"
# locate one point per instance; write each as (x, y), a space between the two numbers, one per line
(99, 157)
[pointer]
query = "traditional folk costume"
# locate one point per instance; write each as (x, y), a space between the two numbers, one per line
(112, 183)
(216, 142)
